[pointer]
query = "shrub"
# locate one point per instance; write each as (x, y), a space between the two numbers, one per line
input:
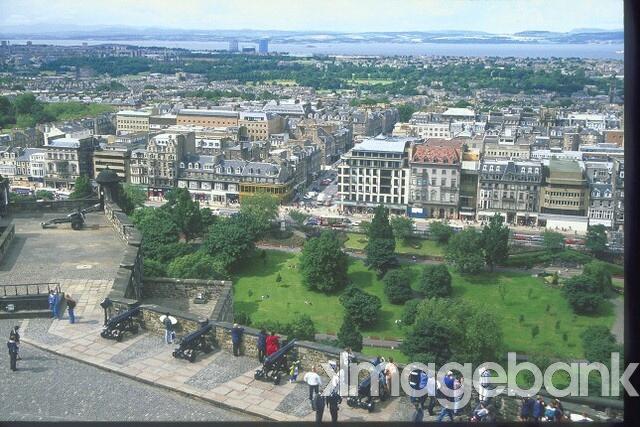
(409, 312)
(440, 232)
(360, 306)
(582, 293)
(397, 286)
(197, 265)
(323, 265)
(242, 318)
(153, 268)
(301, 327)
(349, 335)
(435, 281)
(535, 330)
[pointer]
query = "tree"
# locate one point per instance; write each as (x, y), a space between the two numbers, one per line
(81, 188)
(365, 227)
(435, 281)
(185, 212)
(409, 311)
(197, 265)
(402, 227)
(153, 268)
(446, 330)
(397, 286)
(301, 328)
(596, 240)
(360, 306)
(323, 265)
(349, 335)
(131, 197)
(380, 249)
(298, 217)
(260, 210)
(582, 293)
(440, 232)
(495, 241)
(44, 195)
(600, 273)
(405, 111)
(228, 241)
(159, 234)
(464, 252)
(553, 241)
(7, 112)
(598, 343)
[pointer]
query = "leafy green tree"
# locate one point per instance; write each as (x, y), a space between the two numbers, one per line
(301, 328)
(464, 252)
(260, 210)
(397, 286)
(405, 111)
(596, 240)
(298, 217)
(44, 195)
(81, 188)
(409, 311)
(185, 212)
(365, 227)
(440, 232)
(360, 306)
(402, 227)
(599, 271)
(380, 249)
(228, 241)
(435, 281)
(134, 195)
(495, 241)
(349, 334)
(323, 265)
(7, 112)
(553, 241)
(447, 330)
(583, 294)
(197, 265)
(598, 343)
(153, 268)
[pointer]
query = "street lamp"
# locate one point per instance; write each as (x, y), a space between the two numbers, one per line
(106, 305)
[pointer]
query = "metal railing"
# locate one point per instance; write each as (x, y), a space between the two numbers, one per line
(39, 288)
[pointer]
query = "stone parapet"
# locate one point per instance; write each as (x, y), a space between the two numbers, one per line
(5, 239)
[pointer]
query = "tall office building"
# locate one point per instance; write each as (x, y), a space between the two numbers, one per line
(233, 45)
(263, 46)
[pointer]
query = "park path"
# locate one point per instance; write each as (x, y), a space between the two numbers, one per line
(365, 341)
(617, 329)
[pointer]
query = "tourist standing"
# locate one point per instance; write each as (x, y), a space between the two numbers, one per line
(13, 354)
(71, 305)
(448, 392)
(433, 385)
(318, 406)
(526, 411)
(538, 409)
(262, 345)
(273, 343)
(51, 299)
(483, 390)
(15, 336)
(390, 373)
(168, 329)
(333, 402)
(236, 338)
(56, 303)
(314, 382)
(346, 357)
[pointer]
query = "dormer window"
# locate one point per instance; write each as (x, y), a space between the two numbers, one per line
(197, 165)
(523, 170)
(497, 168)
(190, 165)
(537, 170)
(182, 165)
(491, 168)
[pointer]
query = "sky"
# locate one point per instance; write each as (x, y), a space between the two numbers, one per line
(494, 16)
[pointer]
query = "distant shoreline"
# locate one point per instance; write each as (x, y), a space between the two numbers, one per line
(470, 48)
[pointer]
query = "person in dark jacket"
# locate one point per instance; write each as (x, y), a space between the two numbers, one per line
(71, 305)
(168, 329)
(526, 409)
(13, 354)
(333, 402)
(538, 409)
(236, 338)
(318, 406)
(262, 345)
(14, 335)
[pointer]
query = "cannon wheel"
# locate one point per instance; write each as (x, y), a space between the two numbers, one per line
(135, 329)
(119, 337)
(371, 407)
(276, 379)
(192, 357)
(350, 402)
(174, 354)
(76, 225)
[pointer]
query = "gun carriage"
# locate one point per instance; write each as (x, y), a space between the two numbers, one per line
(118, 325)
(191, 344)
(275, 365)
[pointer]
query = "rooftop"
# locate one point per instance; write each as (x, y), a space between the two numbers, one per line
(388, 145)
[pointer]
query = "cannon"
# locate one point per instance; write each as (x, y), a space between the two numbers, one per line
(275, 365)
(77, 218)
(194, 342)
(118, 325)
(364, 399)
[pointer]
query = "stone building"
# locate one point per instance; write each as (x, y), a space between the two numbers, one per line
(66, 159)
(510, 188)
(566, 190)
(164, 153)
(138, 167)
(618, 194)
(132, 121)
(435, 179)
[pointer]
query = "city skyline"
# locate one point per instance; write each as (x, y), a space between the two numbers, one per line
(493, 16)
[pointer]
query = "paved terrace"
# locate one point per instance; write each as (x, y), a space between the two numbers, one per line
(60, 253)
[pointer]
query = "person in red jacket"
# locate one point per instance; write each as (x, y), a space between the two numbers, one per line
(273, 344)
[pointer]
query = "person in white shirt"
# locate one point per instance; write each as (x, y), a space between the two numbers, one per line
(484, 383)
(432, 389)
(314, 382)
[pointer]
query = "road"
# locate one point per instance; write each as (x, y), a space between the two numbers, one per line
(48, 387)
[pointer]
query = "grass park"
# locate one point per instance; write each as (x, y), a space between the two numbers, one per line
(507, 295)
(418, 247)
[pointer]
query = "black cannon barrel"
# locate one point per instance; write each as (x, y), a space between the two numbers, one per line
(278, 354)
(187, 340)
(123, 316)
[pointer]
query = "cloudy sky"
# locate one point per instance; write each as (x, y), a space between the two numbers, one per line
(495, 16)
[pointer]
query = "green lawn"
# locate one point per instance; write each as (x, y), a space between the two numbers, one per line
(397, 355)
(288, 297)
(421, 247)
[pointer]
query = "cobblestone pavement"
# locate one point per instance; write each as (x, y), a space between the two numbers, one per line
(48, 387)
(148, 345)
(223, 368)
(52, 254)
(297, 401)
